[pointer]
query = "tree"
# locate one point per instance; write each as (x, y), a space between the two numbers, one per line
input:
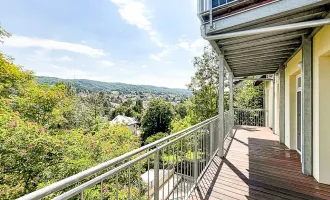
(249, 96)
(97, 100)
(13, 79)
(204, 86)
(157, 118)
(155, 137)
(138, 107)
(128, 102)
(123, 110)
(48, 133)
(3, 34)
(181, 110)
(180, 124)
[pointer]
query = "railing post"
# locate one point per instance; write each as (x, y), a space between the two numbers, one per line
(282, 105)
(231, 107)
(211, 14)
(195, 157)
(273, 120)
(156, 176)
(211, 140)
(221, 106)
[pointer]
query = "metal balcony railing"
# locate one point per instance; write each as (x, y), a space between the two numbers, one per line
(166, 169)
(205, 5)
(250, 117)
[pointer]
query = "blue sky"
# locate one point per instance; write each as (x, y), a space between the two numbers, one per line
(132, 41)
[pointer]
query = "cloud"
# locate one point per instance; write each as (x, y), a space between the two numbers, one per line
(195, 47)
(106, 63)
(24, 42)
(161, 55)
(135, 12)
(65, 58)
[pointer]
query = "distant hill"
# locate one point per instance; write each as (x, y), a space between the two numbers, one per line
(92, 86)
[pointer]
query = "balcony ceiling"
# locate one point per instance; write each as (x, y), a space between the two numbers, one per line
(265, 53)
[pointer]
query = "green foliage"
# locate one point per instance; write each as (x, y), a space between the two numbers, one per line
(181, 109)
(157, 118)
(180, 124)
(48, 133)
(32, 157)
(3, 34)
(123, 110)
(155, 137)
(138, 107)
(44, 104)
(204, 86)
(83, 85)
(249, 96)
(12, 78)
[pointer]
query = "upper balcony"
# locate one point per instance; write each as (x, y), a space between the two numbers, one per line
(229, 15)
(256, 37)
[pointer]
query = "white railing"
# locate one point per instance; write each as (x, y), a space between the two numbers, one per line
(171, 167)
(250, 117)
(204, 5)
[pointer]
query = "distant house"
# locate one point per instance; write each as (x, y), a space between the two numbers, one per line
(129, 121)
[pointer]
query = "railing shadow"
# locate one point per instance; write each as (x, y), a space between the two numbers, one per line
(215, 168)
(260, 175)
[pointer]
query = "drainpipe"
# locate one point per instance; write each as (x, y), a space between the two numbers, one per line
(211, 15)
(287, 27)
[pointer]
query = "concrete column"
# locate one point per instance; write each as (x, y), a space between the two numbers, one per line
(273, 123)
(282, 105)
(221, 106)
(231, 99)
(306, 113)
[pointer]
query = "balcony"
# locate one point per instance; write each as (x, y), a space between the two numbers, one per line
(257, 166)
(209, 160)
(256, 37)
(222, 8)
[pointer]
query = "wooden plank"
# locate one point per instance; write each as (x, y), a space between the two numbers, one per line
(258, 167)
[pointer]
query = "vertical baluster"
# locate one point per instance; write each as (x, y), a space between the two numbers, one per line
(163, 174)
(101, 190)
(184, 167)
(148, 178)
(173, 168)
(139, 182)
(168, 171)
(82, 195)
(177, 169)
(129, 183)
(156, 176)
(117, 186)
(182, 180)
(195, 157)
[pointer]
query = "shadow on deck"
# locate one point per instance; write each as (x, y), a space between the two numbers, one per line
(257, 166)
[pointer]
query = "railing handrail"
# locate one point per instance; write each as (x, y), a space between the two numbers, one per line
(91, 171)
(204, 5)
(98, 179)
(248, 109)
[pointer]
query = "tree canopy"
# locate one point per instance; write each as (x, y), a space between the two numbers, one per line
(48, 132)
(157, 118)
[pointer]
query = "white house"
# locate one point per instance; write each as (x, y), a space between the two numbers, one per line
(129, 121)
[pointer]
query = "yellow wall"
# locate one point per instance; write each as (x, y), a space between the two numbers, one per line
(321, 105)
(269, 103)
(277, 104)
(291, 72)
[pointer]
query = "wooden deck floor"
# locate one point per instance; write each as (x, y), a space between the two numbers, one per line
(258, 167)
